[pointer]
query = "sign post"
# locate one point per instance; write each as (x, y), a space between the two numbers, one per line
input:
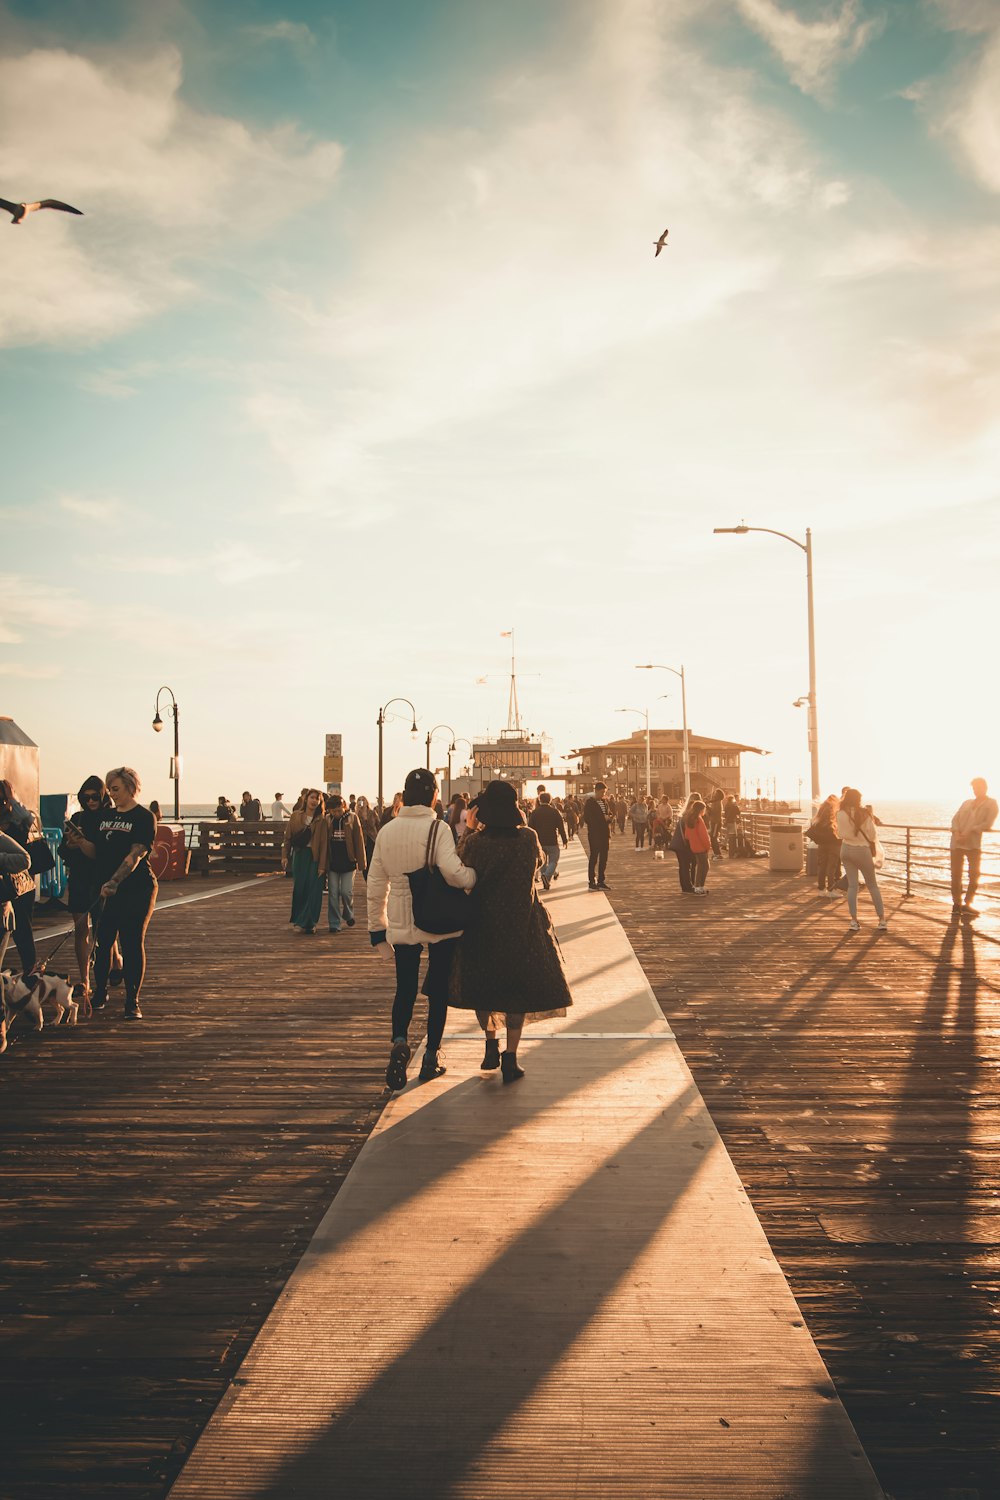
(333, 765)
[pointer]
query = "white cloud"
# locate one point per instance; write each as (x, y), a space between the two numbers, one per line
(27, 673)
(240, 563)
(974, 117)
(162, 185)
(813, 51)
(296, 33)
(88, 508)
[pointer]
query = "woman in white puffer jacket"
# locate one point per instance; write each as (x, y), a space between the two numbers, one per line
(400, 848)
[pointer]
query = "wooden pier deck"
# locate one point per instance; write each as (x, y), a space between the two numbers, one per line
(161, 1182)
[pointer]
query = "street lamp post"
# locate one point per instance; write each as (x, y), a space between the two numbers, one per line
(451, 745)
(645, 713)
(175, 762)
(659, 666)
(381, 721)
(741, 530)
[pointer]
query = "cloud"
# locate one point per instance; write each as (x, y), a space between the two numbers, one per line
(296, 33)
(973, 119)
(812, 51)
(240, 563)
(27, 673)
(164, 186)
(89, 509)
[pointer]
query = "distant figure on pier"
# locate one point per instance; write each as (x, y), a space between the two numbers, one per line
(341, 850)
(732, 821)
(154, 808)
(699, 842)
(974, 818)
(126, 833)
(571, 812)
(714, 820)
(392, 811)
(402, 846)
(596, 821)
(507, 955)
(279, 812)
(548, 824)
(369, 828)
(859, 844)
(225, 812)
(300, 848)
(824, 835)
(639, 818)
(663, 822)
(250, 809)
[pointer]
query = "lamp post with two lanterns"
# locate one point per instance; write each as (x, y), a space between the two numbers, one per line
(381, 721)
(451, 745)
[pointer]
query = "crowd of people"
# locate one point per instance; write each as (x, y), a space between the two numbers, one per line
(503, 961)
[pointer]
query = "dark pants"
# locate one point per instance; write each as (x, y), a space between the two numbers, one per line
(640, 830)
(829, 865)
(439, 961)
(685, 868)
(714, 833)
(597, 862)
(125, 917)
(24, 938)
(700, 870)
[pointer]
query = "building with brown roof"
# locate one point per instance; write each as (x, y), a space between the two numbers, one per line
(621, 764)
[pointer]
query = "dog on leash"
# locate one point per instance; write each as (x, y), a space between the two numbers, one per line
(36, 998)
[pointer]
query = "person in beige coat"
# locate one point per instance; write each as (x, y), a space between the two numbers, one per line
(399, 849)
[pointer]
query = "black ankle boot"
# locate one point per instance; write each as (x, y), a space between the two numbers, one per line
(492, 1057)
(509, 1068)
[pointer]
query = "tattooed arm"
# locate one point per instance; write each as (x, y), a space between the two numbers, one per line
(125, 869)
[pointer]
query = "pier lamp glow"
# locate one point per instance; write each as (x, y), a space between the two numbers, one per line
(645, 713)
(659, 666)
(451, 745)
(741, 530)
(175, 759)
(381, 721)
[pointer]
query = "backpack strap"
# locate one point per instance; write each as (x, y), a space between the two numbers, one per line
(428, 860)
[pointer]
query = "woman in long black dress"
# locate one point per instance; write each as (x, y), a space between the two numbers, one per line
(508, 964)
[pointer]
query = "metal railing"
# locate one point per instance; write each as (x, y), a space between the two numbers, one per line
(917, 856)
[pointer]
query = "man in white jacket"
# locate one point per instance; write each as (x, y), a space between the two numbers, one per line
(400, 848)
(974, 818)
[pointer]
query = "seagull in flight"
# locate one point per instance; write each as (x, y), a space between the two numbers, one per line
(661, 243)
(17, 211)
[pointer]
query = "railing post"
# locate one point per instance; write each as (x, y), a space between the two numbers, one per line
(909, 890)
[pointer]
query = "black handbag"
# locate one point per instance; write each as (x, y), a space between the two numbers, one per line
(16, 884)
(438, 907)
(41, 856)
(303, 837)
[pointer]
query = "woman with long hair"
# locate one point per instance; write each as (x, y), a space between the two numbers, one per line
(126, 833)
(714, 820)
(698, 840)
(79, 854)
(858, 840)
(301, 844)
(369, 828)
(827, 840)
(508, 963)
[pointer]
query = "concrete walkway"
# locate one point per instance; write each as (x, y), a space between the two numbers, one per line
(554, 1289)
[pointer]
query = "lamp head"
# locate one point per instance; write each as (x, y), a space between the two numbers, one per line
(157, 722)
(413, 729)
(740, 530)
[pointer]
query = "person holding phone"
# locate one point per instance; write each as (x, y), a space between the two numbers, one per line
(126, 833)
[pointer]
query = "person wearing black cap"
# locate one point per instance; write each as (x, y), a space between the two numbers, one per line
(596, 821)
(508, 963)
(401, 847)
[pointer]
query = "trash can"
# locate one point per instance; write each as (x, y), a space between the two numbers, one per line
(169, 859)
(812, 860)
(786, 850)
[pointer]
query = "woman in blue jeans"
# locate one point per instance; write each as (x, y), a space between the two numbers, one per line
(858, 835)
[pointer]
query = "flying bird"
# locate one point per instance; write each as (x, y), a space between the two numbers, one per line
(661, 243)
(17, 211)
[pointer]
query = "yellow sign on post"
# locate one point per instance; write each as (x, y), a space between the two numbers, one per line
(333, 768)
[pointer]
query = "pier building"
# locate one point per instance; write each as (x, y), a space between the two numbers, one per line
(621, 764)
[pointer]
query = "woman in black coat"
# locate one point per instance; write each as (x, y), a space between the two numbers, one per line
(508, 962)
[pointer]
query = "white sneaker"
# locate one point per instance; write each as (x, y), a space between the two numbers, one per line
(882, 926)
(854, 926)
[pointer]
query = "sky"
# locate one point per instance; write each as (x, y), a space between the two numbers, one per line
(360, 356)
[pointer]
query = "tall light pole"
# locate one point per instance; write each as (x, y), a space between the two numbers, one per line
(645, 713)
(659, 666)
(175, 762)
(741, 530)
(381, 721)
(451, 745)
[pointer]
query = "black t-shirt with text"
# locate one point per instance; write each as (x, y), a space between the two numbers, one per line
(116, 833)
